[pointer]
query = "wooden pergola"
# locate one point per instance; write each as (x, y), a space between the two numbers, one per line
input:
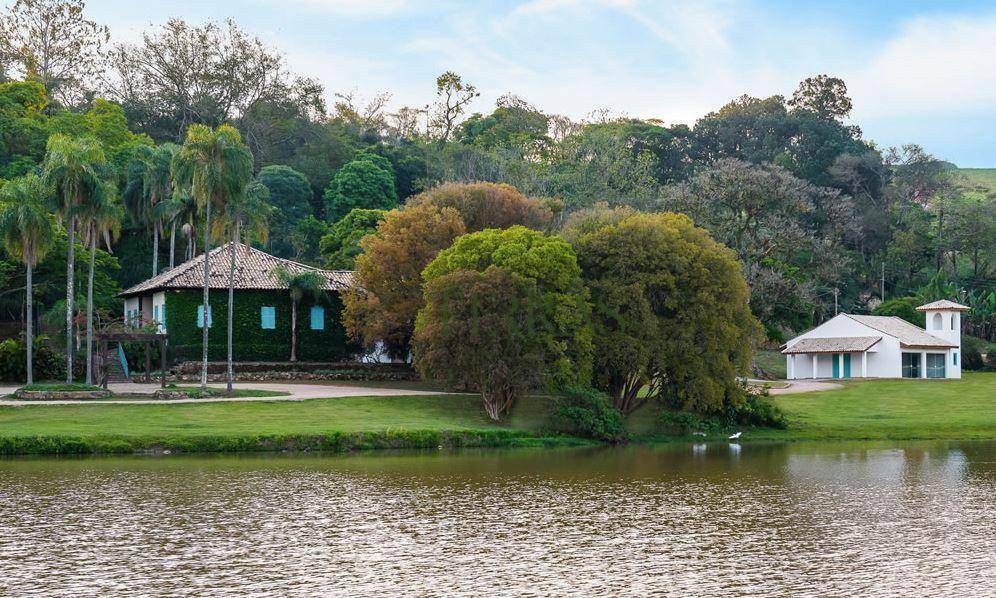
(146, 338)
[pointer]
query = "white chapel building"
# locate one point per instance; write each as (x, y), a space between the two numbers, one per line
(851, 346)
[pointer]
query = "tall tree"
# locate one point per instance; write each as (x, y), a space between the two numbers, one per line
(247, 214)
(453, 96)
(101, 216)
(27, 233)
(361, 183)
(299, 285)
(74, 169)
(290, 194)
(824, 95)
(52, 42)
(216, 166)
(153, 184)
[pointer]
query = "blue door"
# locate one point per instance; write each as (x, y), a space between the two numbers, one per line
(836, 365)
(847, 365)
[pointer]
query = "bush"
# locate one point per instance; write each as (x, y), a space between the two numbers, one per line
(757, 410)
(972, 349)
(588, 413)
(13, 356)
(754, 410)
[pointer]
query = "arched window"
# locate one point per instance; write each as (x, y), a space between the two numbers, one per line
(938, 322)
(953, 321)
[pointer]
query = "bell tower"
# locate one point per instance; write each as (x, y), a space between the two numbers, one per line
(944, 322)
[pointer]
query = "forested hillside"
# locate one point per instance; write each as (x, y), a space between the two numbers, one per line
(819, 215)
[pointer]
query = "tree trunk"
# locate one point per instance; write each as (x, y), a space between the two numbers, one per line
(70, 267)
(89, 310)
(206, 305)
(155, 248)
(231, 303)
(172, 243)
(293, 331)
(29, 332)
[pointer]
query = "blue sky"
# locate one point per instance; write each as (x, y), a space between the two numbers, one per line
(919, 72)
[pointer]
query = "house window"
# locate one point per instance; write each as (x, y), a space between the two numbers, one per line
(317, 317)
(200, 317)
(162, 315)
(953, 316)
(911, 365)
(954, 356)
(268, 317)
(935, 365)
(155, 313)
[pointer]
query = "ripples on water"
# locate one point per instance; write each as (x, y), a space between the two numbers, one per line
(764, 520)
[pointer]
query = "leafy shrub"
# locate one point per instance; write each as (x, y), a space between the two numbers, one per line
(757, 410)
(754, 410)
(13, 356)
(972, 349)
(588, 413)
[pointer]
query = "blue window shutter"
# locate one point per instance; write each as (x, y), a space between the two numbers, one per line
(317, 317)
(955, 355)
(200, 317)
(268, 317)
(155, 313)
(162, 314)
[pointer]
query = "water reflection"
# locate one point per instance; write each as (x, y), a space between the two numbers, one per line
(685, 519)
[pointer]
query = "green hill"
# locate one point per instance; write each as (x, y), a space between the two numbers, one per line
(978, 177)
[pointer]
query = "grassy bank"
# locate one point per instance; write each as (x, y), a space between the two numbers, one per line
(883, 409)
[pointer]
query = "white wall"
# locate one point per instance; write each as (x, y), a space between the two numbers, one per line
(947, 325)
(884, 358)
(130, 304)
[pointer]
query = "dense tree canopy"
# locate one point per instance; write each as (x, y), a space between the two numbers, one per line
(670, 313)
(341, 245)
(290, 196)
(537, 329)
(362, 183)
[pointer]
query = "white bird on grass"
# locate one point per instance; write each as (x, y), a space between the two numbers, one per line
(735, 436)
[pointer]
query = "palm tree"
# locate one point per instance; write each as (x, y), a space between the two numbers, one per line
(215, 166)
(102, 216)
(300, 285)
(27, 234)
(149, 184)
(179, 209)
(251, 211)
(73, 169)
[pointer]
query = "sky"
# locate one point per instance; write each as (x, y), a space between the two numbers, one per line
(918, 72)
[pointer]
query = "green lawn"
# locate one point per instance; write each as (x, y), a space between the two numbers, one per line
(881, 409)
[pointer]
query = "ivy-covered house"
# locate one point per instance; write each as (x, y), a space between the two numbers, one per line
(172, 301)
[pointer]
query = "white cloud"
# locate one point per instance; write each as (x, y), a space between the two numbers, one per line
(935, 64)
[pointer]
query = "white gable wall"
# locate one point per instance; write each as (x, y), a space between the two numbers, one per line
(884, 358)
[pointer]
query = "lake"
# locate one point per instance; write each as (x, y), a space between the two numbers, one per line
(764, 519)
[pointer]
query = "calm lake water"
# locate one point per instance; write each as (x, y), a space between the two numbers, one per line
(828, 519)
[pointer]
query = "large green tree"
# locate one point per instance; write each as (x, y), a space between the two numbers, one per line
(537, 329)
(361, 183)
(216, 167)
(671, 315)
(27, 233)
(290, 196)
(76, 171)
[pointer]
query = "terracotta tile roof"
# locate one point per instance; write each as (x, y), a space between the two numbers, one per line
(840, 344)
(909, 335)
(943, 304)
(254, 269)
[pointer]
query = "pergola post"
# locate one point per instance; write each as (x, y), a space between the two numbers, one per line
(148, 361)
(815, 363)
(162, 362)
(864, 364)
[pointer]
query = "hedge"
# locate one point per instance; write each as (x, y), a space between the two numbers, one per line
(251, 342)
